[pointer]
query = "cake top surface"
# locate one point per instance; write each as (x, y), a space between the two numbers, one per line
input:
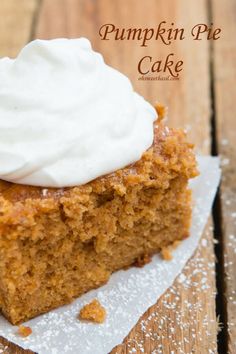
(169, 156)
(66, 117)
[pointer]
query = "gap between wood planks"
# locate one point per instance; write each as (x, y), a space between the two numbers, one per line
(221, 309)
(35, 20)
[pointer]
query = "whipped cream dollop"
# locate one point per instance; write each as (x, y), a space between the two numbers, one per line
(66, 117)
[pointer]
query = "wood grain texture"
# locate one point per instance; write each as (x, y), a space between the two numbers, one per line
(7, 347)
(184, 319)
(16, 25)
(224, 59)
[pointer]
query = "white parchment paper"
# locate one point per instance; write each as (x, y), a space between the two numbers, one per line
(127, 295)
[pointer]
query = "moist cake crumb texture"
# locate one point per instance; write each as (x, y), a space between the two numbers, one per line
(166, 252)
(93, 312)
(142, 260)
(57, 245)
(24, 331)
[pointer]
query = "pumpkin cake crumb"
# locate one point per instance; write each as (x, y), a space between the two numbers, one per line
(24, 331)
(166, 252)
(93, 312)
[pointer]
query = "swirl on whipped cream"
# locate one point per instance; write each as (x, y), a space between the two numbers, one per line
(66, 117)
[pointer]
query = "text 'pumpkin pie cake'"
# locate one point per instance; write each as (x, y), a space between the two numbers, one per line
(77, 206)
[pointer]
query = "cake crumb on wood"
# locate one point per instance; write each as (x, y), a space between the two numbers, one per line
(166, 252)
(24, 331)
(93, 312)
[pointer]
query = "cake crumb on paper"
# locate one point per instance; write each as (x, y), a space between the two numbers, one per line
(24, 331)
(93, 312)
(166, 252)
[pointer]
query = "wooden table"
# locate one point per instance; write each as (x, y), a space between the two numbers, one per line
(193, 313)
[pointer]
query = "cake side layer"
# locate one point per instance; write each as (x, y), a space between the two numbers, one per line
(39, 276)
(55, 248)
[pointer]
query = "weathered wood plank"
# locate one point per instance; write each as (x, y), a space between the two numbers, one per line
(193, 315)
(9, 348)
(16, 21)
(224, 71)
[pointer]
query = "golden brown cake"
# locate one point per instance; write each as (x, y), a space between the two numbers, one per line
(93, 312)
(56, 244)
